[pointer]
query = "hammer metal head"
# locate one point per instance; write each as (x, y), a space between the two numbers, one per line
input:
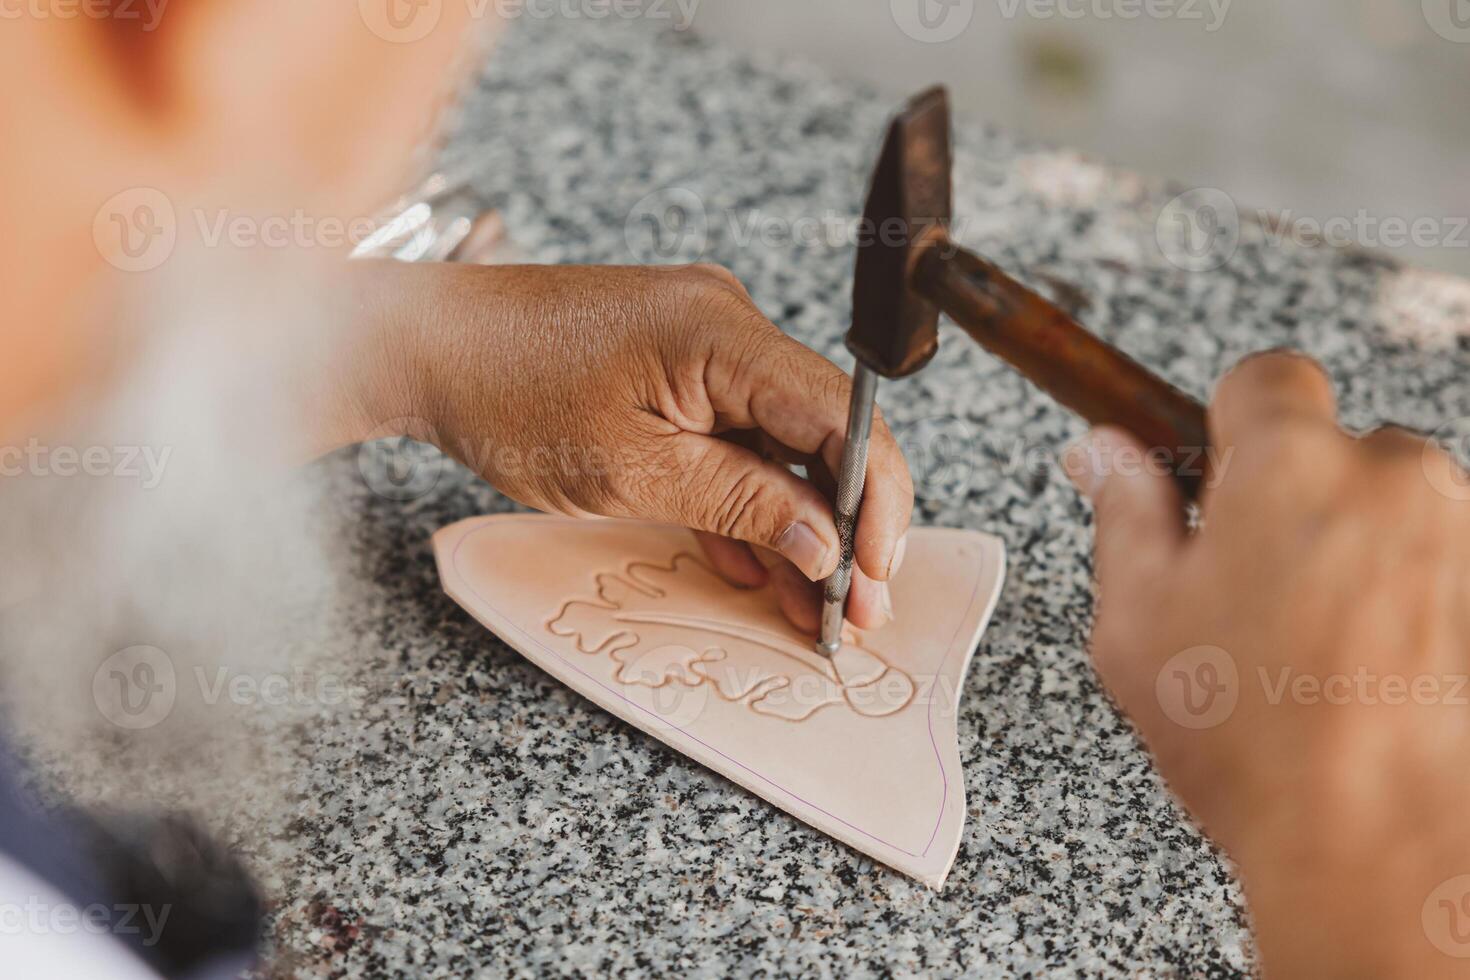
(895, 331)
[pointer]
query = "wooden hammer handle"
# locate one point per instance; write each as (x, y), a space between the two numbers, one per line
(1082, 372)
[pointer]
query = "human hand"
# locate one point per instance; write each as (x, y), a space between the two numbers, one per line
(653, 393)
(1297, 667)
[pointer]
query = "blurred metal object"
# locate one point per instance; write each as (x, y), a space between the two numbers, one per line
(404, 230)
(429, 224)
(455, 231)
(485, 243)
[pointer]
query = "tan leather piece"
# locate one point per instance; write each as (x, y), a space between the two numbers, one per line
(862, 747)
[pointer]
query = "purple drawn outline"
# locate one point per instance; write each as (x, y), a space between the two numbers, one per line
(938, 672)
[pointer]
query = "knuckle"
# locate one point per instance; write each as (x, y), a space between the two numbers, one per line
(725, 315)
(749, 326)
(1441, 468)
(1382, 509)
(836, 387)
(1297, 447)
(1277, 369)
(1273, 389)
(752, 343)
(742, 501)
(1401, 471)
(1391, 446)
(720, 274)
(606, 494)
(1391, 436)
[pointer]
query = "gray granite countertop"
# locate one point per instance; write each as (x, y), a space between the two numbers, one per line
(466, 814)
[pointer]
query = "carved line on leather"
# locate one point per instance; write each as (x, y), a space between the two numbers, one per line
(786, 695)
(778, 644)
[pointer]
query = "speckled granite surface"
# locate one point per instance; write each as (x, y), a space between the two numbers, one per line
(466, 814)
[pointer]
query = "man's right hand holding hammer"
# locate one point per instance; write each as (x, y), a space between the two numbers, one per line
(1297, 666)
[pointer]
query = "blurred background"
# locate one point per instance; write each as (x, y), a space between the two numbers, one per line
(1344, 111)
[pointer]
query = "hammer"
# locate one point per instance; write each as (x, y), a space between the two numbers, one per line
(909, 271)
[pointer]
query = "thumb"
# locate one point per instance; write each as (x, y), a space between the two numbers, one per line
(708, 484)
(1139, 510)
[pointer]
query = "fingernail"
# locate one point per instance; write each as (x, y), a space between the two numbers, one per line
(896, 562)
(886, 598)
(801, 546)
